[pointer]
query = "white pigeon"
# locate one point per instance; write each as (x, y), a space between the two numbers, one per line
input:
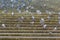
(58, 18)
(47, 0)
(12, 5)
(59, 22)
(27, 7)
(59, 13)
(22, 18)
(33, 17)
(27, 11)
(49, 17)
(18, 25)
(38, 11)
(32, 7)
(3, 25)
(55, 28)
(19, 11)
(48, 12)
(23, 5)
(4, 11)
(12, 13)
(32, 22)
(42, 21)
(45, 5)
(44, 26)
(50, 32)
(12, 0)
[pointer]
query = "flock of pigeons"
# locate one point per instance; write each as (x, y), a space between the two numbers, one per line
(27, 7)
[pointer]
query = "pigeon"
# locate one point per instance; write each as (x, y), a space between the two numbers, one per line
(59, 21)
(32, 7)
(55, 28)
(19, 11)
(50, 33)
(44, 26)
(5, 11)
(12, 0)
(12, 5)
(48, 12)
(32, 22)
(59, 13)
(44, 5)
(49, 18)
(18, 25)
(38, 11)
(24, 5)
(3, 25)
(22, 17)
(27, 11)
(12, 13)
(27, 8)
(58, 18)
(29, 0)
(42, 21)
(33, 18)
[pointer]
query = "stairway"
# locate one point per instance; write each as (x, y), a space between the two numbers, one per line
(16, 28)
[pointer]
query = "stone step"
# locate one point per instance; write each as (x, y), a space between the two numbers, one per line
(30, 34)
(28, 28)
(29, 31)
